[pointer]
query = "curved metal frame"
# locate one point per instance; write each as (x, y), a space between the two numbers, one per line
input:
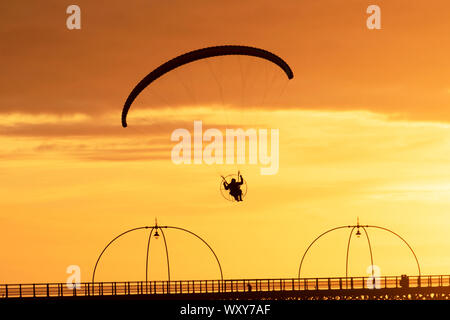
(206, 243)
(104, 249)
(348, 245)
(152, 228)
(410, 248)
(148, 252)
(310, 245)
(370, 249)
(348, 249)
(146, 255)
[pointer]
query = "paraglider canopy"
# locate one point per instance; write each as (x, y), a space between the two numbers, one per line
(198, 55)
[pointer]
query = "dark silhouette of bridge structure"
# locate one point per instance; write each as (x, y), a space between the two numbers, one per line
(353, 288)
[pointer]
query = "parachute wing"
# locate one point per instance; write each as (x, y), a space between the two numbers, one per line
(198, 55)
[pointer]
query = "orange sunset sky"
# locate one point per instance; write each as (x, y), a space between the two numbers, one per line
(364, 132)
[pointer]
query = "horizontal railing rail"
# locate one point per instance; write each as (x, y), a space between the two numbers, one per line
(218, 286)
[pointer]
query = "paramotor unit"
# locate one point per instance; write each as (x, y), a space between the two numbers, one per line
(233, 187)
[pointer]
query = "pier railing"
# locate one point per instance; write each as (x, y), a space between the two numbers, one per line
(218, 286)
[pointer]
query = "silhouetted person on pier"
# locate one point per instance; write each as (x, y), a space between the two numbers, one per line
(234, 187)
(404, 281)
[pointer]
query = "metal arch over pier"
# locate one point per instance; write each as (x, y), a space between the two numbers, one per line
(155, 228)
(364, 228)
